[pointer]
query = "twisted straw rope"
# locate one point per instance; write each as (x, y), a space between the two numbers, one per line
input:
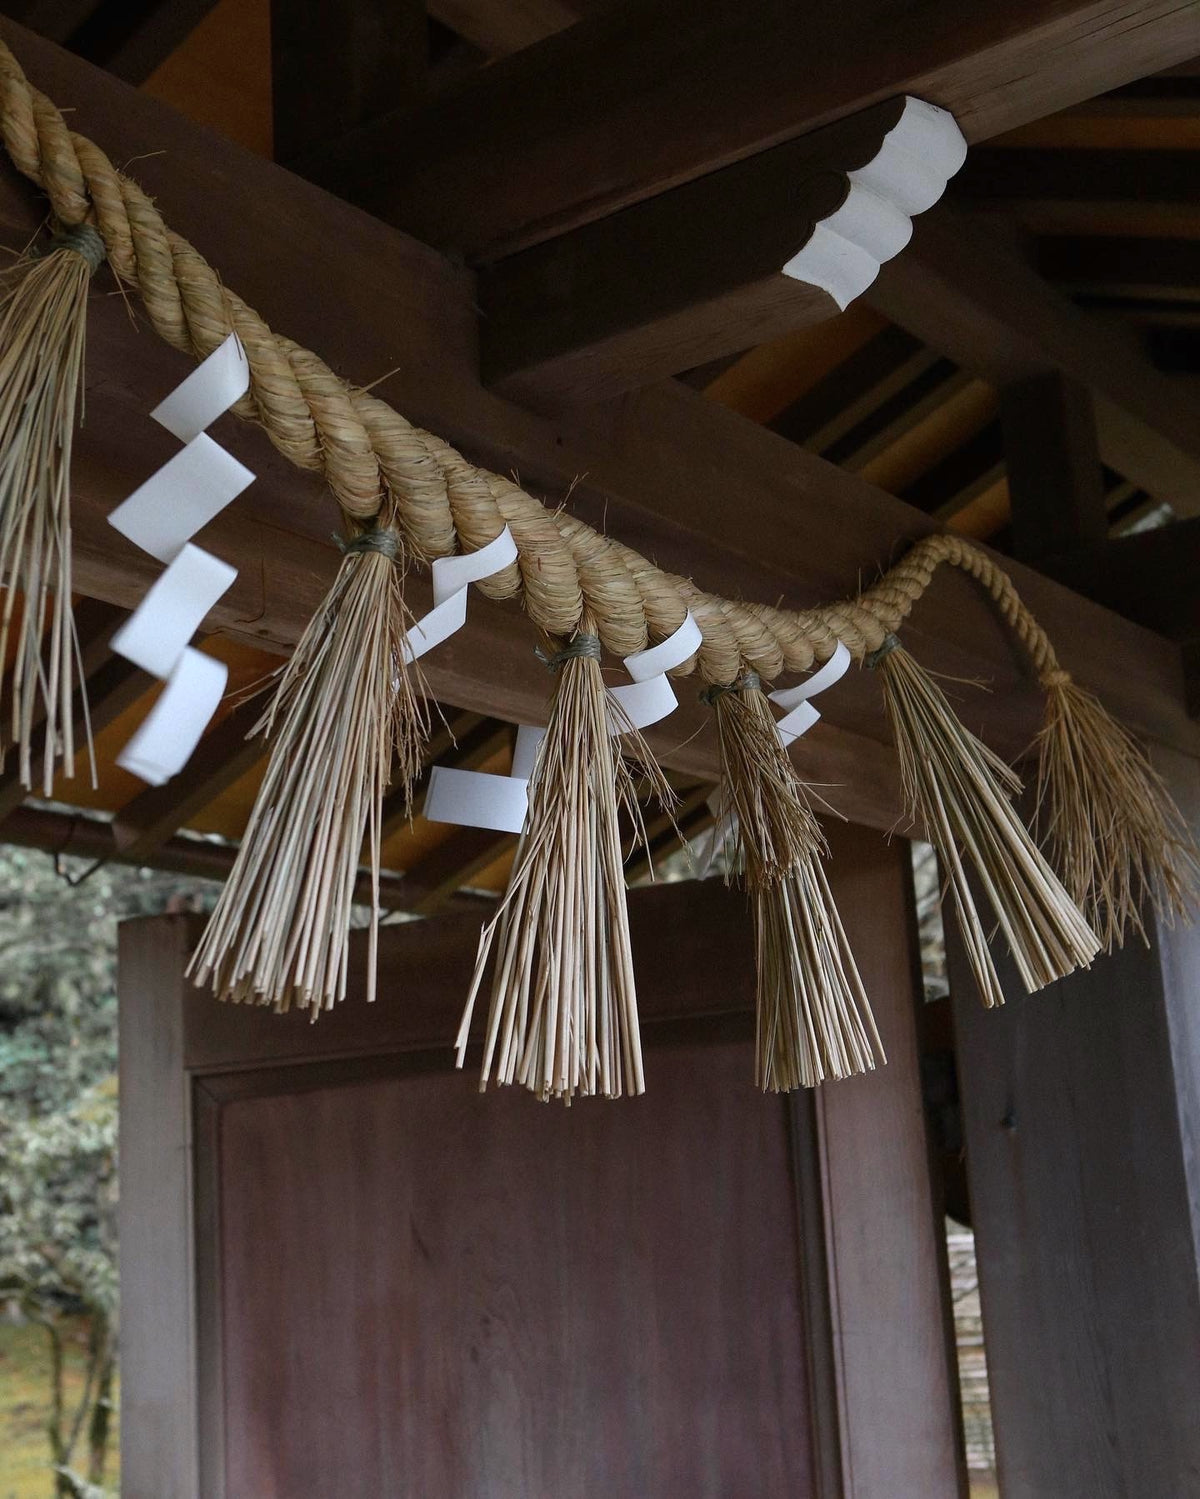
(368, 453)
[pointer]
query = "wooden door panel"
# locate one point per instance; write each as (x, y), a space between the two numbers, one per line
(430, 1292)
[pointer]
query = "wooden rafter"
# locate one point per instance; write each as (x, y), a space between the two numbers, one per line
(966, 293)
(653, 93)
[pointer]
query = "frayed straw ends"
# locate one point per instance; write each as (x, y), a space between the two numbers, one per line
(563, 1017)
(347, 706)
(959, 792)
(43, 315)
(1109, 823)
(814, 1020)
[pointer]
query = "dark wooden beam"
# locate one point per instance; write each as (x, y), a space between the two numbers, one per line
(967, 293)
(1055, 478)
(1072, 191)
(498, 27)
(82, 836)
(706, 493)
(335, 67)
(129, 38)
(1127, 267)
(653, 93)
(738, 257)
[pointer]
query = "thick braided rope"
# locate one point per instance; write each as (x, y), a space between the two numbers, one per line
(367, 451)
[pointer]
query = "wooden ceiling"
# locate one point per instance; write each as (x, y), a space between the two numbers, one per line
(1100, 200)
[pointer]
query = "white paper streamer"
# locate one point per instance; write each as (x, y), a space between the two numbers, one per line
(651, 697)
(479, 799)
(161, 517)
(207, 393)
(171, 730)
(157, 632)
(181, 498)
(451, 578)
(801, 715)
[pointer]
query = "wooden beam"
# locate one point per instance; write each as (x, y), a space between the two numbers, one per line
(670, 284)
(129, 38)
(1081, 192)
(1128, 267)
(705, 492)
(79, 835)
(653, 93)
(963, 291)
(1055, 480)
(335, 67)
(1080, 1106)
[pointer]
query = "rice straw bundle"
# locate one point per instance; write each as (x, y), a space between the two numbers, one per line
(814, 1020)
(348, 704)
(43, 316)
(960, 792)
(563, 1015)
(1108, 820)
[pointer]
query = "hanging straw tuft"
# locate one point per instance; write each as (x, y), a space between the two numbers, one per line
(563, 1015)
(348, 705)
(814, 1020)
(1107, 819)
(43, 316)
(960, 793)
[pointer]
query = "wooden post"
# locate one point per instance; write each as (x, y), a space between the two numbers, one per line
(1081, 1112)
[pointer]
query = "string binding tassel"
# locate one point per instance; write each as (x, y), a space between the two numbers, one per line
(562, 1019)
(960, 793)
(348, 706)
(43, 317)
(1113, 832)
(814, 1020)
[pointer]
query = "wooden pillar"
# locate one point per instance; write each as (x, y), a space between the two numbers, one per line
(1082, 1113)
(1053, 458)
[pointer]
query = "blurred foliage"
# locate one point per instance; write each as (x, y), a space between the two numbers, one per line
(58, 1123)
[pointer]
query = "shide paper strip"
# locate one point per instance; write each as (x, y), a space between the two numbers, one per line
(451, 578)
(478, 799)
(171, 730)
(800, 715)
(161, 517)
(157, 632)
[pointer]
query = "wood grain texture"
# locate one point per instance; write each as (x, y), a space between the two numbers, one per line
(159, 1390)
(1055, 480)
(644, 96)
(477, 1296)
(1080, 1111)
(899, 1435)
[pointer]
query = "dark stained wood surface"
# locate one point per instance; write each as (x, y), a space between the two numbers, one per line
(647, 95)
(883, 1240)
(436, 1292)
(406, 1287)
(1081, 1119)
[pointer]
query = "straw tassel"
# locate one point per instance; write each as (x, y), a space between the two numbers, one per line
(563, 1017)
(960, 793)
(814, 1020)
(43, 316)
(1108, 821)
(347, 706)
